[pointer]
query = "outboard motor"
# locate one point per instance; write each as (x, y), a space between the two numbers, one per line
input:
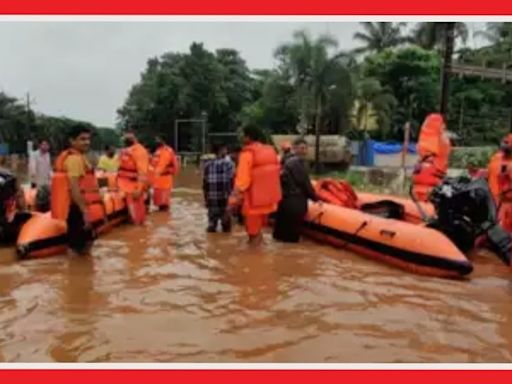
(465, 211)
(8, 191)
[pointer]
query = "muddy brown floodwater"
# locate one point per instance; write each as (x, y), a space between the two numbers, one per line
(170, 292)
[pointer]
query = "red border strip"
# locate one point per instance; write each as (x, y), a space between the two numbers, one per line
(254, 376)
(259, 7)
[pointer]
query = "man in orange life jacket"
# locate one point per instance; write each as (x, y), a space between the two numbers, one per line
(297, 190)
(257, 183)
(500, 181)
(434, 151)
(163, 168)
(75, 195)
(132, 176)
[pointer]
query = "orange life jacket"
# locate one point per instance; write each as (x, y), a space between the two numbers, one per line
(60, 190)
(494, 170)
(127, 166)
(170, 168)
(434, 151)
(504, 180)
(265, 188)
(426, 172)
(337, 192)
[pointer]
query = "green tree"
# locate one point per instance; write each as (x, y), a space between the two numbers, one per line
(15, 130)
(499, 35)
(184, 86)
(315, 69)
(377, 37)
(374, 107)
(412, 76)
(275, 108)
(430, 35)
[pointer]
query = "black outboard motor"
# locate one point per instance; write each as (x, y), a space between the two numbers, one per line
(11, 220)
(8, 190)
(465, 211)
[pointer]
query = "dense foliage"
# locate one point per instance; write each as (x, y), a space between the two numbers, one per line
(17, 125)
(391, 78)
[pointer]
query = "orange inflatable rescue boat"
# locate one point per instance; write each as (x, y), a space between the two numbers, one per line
(388, 237)
(43, 236)
(408, 246)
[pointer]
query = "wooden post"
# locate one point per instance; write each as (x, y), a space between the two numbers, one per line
(318, 124)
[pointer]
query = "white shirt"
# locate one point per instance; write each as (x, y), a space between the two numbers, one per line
(40, 168)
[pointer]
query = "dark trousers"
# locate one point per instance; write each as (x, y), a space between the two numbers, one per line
(217, 212)
(80, 238)
(289, 218)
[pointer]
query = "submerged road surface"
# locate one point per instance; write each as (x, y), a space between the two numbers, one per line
(170, 292)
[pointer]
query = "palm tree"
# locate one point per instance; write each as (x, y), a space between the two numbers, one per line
(12, 119)
(496, 32)
(314, 69)
(379, 36)
(500, 37)
(373, 107)
(430, 35)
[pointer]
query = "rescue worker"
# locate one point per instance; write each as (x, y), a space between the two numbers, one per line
(132, 176)
(297, 189)
(75, 194)
(109, 161)
(257, 186)
(434, 151)
(500, 181)
(106, 170)
(163, 168)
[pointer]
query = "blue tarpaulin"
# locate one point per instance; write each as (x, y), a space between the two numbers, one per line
(391, 147)
(4, 149)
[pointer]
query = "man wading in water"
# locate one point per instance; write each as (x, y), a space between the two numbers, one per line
(257, 188)
(297, 189)
(217, 186)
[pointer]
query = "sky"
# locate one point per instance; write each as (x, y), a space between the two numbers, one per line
(84, 70)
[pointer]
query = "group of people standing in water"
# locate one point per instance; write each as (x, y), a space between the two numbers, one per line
(75, 193)
(259, 185)
(254, 184)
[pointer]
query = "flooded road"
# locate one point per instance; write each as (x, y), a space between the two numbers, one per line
(170, 292)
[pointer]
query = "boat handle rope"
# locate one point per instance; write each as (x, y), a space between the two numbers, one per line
(318, 217)
(356, 232)
(423, 215)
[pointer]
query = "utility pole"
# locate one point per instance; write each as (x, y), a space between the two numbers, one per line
(449, 41)
(30, 142)
(28, 103)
